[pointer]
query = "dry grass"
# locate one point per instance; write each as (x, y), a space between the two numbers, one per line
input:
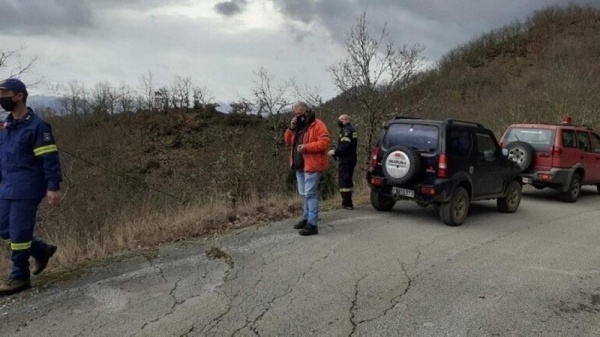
(133, 230)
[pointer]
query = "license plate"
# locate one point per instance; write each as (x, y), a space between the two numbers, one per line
(526, 180)
(404, 192)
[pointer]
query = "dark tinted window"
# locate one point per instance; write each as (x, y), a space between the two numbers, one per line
(584, 141)
(568, 138)
(459, 143)
(486, 145)
(532, 136)
(417, 136)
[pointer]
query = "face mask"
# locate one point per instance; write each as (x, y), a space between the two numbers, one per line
(340, 124)
(7, 103)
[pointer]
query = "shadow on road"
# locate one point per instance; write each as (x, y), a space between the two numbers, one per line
(429, 216)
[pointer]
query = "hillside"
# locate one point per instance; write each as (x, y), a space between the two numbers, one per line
(539, 71)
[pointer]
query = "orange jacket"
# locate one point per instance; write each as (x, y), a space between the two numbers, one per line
(316, 143)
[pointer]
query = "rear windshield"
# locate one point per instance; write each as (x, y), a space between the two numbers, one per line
(532, 136)
(420, 137)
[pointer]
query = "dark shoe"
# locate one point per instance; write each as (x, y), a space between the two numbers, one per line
(40, 265)
(14, 286)
(309, 230)
(301, 224)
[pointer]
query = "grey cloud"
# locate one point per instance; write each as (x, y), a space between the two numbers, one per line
(43, 16)
(438, 24)
(230, 8)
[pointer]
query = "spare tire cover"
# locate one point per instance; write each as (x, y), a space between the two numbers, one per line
(400, 164)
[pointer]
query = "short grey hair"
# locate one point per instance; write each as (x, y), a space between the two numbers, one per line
(301, 105)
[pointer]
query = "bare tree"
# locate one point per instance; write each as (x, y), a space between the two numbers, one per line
(148, 90)
(126, 98)
(74, 99)
(372, 70)
(201, 98)
(181, 90)
(104, 98)
(272, 100)
(13, 64)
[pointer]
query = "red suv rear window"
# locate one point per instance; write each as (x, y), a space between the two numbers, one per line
(533, 136)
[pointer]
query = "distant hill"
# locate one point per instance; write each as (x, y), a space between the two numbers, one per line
(44, 101)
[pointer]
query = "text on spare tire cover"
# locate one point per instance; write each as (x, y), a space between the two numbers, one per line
(397, 164)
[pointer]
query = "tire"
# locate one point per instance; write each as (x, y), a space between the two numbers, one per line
(382, 202)
(521, 153)
(511, 202)
(454, 212)
(598, 188)
(401, 165)
(574, 189)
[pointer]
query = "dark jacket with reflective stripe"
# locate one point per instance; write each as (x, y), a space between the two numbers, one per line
(29, 163)
(347, 145)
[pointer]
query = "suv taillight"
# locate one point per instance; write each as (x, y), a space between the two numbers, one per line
(556, 150)
(443, 166)
(374, 156)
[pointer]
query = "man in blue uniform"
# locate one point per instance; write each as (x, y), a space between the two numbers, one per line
(30, 170)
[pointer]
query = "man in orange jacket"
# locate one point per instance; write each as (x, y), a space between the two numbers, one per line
(310, 141)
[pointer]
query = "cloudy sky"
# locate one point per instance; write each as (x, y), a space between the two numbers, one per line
(219, 44)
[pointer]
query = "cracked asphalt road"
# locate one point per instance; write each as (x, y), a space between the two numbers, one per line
(535, 272)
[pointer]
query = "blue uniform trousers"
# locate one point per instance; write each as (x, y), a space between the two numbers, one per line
(17, 220)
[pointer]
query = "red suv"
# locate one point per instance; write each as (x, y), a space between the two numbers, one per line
(560, 156)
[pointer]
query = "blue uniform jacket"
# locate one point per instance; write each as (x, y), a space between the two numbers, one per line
(29, 163)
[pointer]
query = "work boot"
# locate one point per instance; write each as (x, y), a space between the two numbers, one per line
(40, 265)
(14, 286)
(309, 230)
(301, 224)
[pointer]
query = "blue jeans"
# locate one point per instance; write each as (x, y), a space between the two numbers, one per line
(308, 187)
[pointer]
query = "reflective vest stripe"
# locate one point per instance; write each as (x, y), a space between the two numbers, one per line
(20, 246)
(44, 149)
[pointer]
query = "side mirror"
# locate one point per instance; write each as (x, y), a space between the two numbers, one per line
(505, 152)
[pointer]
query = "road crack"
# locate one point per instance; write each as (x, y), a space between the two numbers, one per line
(353, 306)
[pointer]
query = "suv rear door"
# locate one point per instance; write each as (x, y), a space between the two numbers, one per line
(571, 154)
(489, 172)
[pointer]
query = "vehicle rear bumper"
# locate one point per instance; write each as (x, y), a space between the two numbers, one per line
(556, 177)
(438, 192)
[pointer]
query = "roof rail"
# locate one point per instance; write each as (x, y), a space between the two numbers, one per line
(458, 121)
(406, 117)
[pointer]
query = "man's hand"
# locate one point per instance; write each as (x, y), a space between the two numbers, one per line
(293, 123)
(301, 148)
(331, 153)
(53, 197)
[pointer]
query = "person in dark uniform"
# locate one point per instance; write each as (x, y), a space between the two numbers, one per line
(345, 153)
(30, 170)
